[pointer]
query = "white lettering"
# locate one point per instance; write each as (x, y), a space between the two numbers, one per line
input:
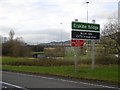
(79, 26)
(92, 27)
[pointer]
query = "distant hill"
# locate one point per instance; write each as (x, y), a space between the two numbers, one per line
(64, 43)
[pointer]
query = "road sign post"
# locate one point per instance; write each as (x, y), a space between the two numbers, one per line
(93, 52)
(75, 59)
(85, 31)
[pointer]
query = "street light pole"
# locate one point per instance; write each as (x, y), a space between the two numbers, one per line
(87, 10)
(119, 15)
(61, 34)
(118, 24)
(87, 40)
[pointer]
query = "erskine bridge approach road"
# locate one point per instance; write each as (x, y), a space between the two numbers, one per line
(34, 81)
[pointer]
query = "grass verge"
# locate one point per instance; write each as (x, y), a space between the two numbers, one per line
(101, 73)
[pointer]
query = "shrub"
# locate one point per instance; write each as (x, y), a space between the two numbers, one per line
(54, 52)
(103, 58)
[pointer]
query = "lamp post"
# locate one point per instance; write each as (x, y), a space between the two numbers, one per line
(87, 10)
(87, 40)
(119, 15)
(118, 24)
(61, 34)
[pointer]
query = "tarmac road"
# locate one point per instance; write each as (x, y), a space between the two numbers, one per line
(33, 81)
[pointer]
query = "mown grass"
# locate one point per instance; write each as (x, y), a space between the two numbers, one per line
(102, 73)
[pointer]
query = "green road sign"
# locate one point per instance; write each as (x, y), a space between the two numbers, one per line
(85, 26)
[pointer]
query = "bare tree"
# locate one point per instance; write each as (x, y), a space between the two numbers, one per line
(11, 34)
(15, 47)
(111, 35)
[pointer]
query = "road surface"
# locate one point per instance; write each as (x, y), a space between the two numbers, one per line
(11, 86)
(27, 81)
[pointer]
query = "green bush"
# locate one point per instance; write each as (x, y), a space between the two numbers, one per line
(54, 52)
(103, 58)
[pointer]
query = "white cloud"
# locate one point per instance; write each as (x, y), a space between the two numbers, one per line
(29, 18)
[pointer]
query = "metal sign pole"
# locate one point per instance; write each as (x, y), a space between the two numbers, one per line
(75, 59)
(93, 54)
(75, 55)
(75, 62)
(93, 51)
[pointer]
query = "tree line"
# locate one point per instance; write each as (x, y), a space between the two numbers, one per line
(15, 47)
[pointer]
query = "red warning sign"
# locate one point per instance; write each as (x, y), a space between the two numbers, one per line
(77, 43)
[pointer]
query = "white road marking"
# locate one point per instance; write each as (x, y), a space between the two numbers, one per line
(12, 85)
(103, 86)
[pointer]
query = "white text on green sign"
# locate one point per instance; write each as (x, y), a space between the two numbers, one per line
(85, 26)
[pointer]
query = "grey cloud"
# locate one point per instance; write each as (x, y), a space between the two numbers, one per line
(39, 20)
(46, 35)
(5, 30)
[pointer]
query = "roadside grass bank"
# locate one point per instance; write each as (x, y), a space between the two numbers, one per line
(35, 61)
(105, 73)
(58, 61)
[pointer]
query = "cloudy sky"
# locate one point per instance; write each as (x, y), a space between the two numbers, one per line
(40, 21)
